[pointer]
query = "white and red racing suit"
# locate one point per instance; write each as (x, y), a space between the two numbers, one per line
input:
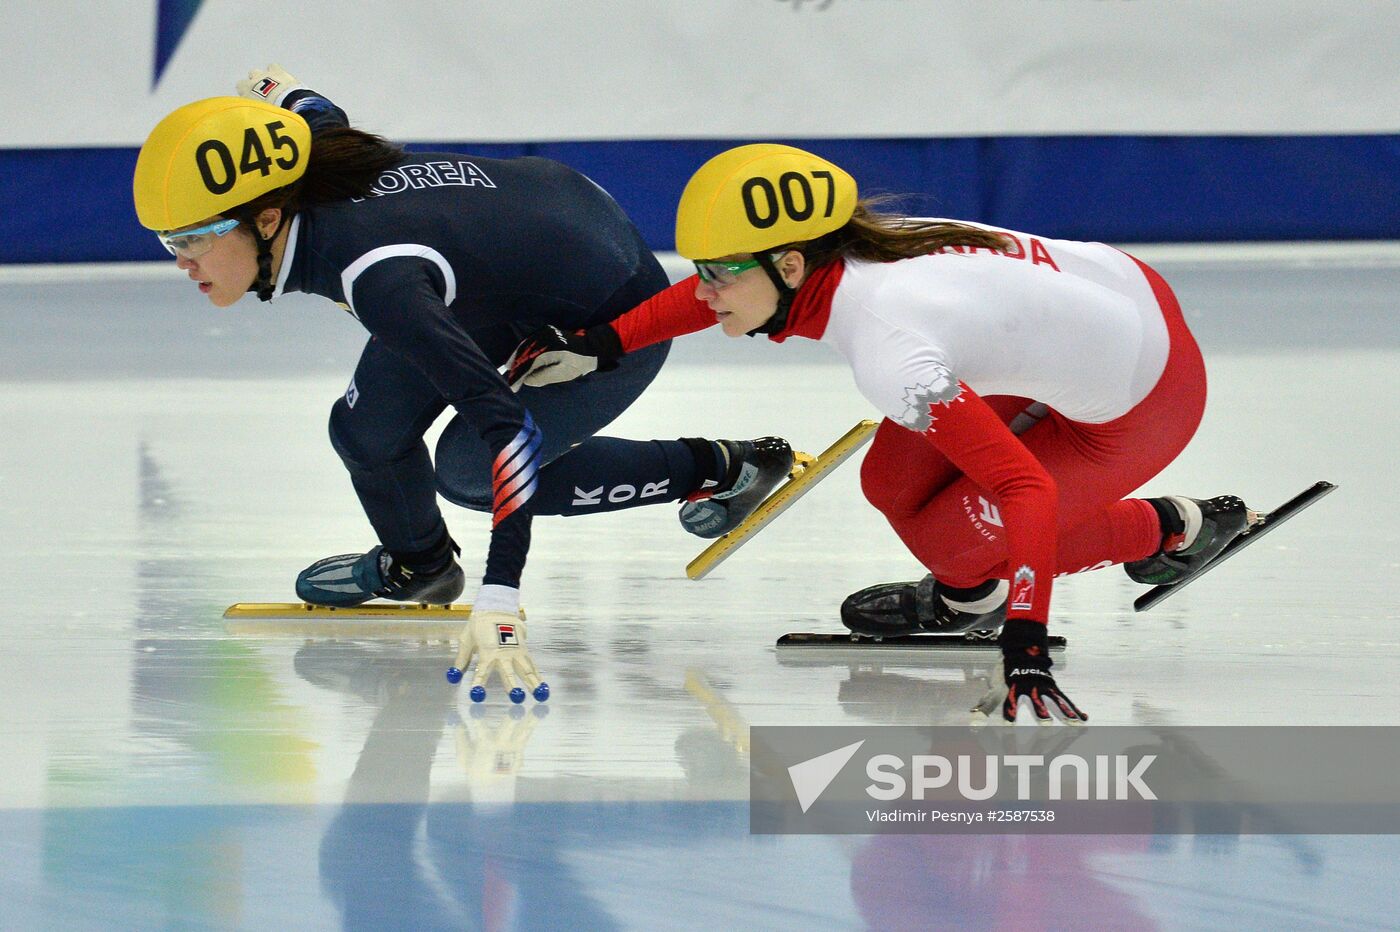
(1025, 393)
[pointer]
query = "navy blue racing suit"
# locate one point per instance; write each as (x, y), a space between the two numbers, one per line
(448, 264)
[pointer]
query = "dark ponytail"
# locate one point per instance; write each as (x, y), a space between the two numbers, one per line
(344, 163)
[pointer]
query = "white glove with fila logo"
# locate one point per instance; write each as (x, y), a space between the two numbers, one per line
(271, 84)
(495, 638)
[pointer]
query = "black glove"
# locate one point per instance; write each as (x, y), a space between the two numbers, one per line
(551, 355)
(1025, 657)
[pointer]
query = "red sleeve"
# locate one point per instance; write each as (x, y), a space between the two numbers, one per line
(667, 314)
(968, 432)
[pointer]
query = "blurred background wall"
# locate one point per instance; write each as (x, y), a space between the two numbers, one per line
(1119, 120)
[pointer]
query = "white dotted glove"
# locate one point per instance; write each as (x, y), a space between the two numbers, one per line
(496, 641)
(271, 84)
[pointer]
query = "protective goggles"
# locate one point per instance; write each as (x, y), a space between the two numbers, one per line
(191, 244)
(721, 274)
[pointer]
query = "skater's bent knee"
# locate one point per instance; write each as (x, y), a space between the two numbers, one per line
(882, 487)
(464, 494)
(463, 466)
(362, 444)
(342, 434)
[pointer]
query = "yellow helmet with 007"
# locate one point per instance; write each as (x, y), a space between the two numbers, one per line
(758, 197)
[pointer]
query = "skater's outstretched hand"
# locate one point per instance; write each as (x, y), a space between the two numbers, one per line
(551, 355)
(272, 84)
(1026, 663)
(496, 641)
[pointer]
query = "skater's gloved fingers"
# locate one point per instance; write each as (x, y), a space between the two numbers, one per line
(525, 666)
(271, 83)
(1010, 703)
(521, 668)
(532, 357)
(550, 355)
(554, 369)
(535, 372)
(1020, 707)
(483, 672)
(1042, 711)
(467, 651)
(521, 360)
(505, 666)
(546, 370)
(1041, 706)
(1067, 710)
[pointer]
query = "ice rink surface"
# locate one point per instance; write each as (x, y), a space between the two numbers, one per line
(161, 460)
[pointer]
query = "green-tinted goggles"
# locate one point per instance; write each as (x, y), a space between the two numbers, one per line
(720, 274)
(191, 244)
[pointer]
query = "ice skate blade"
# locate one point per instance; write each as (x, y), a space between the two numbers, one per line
(807, 471)
(904, 642)
(374, 619)
(1260, 524)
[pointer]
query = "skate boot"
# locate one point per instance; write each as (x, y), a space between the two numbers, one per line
(1204, 528)
(893, 609)
(354, 578)
(756, 467)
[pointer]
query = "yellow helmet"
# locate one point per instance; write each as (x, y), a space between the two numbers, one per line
(213, 155)
(757, 197)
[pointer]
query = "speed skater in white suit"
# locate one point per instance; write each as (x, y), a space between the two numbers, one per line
(1028, 385)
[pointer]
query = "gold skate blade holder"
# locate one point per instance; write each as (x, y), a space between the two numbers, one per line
(375, 619)
(807, 471)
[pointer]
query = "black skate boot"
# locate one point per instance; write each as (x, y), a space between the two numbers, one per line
(1203, 530)
(755, 469)
(354, 578)
(893, 609)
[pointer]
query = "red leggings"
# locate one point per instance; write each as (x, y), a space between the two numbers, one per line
(944, 518)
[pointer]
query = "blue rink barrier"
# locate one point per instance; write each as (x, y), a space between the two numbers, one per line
(74, 205)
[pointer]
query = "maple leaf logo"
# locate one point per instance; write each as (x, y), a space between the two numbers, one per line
(940, 389)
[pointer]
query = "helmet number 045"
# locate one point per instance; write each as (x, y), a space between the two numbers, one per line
(216, 164)
(793, 193)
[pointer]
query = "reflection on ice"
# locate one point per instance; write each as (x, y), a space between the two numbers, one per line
(161, 769)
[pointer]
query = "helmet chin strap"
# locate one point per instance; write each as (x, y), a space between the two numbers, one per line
(786, 293)
(263, 284)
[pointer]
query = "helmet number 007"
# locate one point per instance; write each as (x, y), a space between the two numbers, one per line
(793, 195)
(215, 161)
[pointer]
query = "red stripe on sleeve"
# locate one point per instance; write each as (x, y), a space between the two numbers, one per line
(670, 313)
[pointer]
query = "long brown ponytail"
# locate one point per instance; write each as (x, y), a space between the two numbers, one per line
(878, 236)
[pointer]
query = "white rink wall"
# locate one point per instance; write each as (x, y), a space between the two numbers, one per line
(537, 70)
